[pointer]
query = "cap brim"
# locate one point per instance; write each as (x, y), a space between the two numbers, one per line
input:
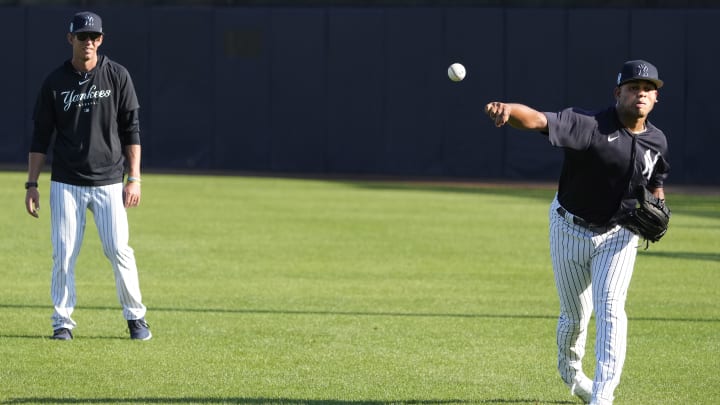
(87, 30)
(657, 82)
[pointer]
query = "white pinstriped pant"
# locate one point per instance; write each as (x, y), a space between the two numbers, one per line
(68, 208)
(592, 270)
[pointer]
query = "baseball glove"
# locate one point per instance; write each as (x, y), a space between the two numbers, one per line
(650, 218)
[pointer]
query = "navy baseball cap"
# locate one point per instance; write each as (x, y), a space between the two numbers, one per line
(639, 70)
(86, 21)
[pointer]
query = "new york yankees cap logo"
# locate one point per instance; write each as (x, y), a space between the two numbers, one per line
(85, 21)
(639, 70)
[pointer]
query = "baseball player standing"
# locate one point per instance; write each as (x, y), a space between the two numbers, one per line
(608, 153)
(90, 104)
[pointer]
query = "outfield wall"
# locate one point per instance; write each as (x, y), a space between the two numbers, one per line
(325, 90)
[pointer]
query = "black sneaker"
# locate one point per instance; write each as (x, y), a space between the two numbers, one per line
(139, 329)
(62, 334)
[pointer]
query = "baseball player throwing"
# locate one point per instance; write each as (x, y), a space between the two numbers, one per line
(608, 153)
(89, 103)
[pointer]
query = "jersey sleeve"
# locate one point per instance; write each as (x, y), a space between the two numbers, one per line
(128, 106)
(129, 128)
(126, 90)
(43, 120)
(570, 128)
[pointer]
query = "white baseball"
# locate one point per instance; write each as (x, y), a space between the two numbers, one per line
(456, 72)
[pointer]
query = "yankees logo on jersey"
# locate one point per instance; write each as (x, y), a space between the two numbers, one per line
(649, 163)
(83, 98)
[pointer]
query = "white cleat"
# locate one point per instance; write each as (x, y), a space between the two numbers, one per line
(582, 388)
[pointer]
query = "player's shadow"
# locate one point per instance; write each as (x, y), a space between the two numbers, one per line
(271, 401)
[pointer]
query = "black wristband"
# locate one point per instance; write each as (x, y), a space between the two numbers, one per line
(30, 184)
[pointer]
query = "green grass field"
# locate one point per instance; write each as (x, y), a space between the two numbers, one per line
(290, 291)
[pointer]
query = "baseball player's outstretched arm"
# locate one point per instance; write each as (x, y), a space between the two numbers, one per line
(518, 116)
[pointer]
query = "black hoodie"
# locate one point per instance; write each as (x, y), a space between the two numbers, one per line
(93, 116)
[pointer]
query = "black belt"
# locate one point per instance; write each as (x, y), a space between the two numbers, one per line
(581, 222)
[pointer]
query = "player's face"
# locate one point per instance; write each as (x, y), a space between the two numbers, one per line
(85, 44)
(636, 98)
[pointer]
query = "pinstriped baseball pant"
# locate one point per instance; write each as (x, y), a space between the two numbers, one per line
(68, 211)
(592, 271)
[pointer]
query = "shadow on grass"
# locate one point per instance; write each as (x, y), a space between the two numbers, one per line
(685, 202)
(712, 257)
(48, 337)
(258, 401)
(541, 191)
(348, 313)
